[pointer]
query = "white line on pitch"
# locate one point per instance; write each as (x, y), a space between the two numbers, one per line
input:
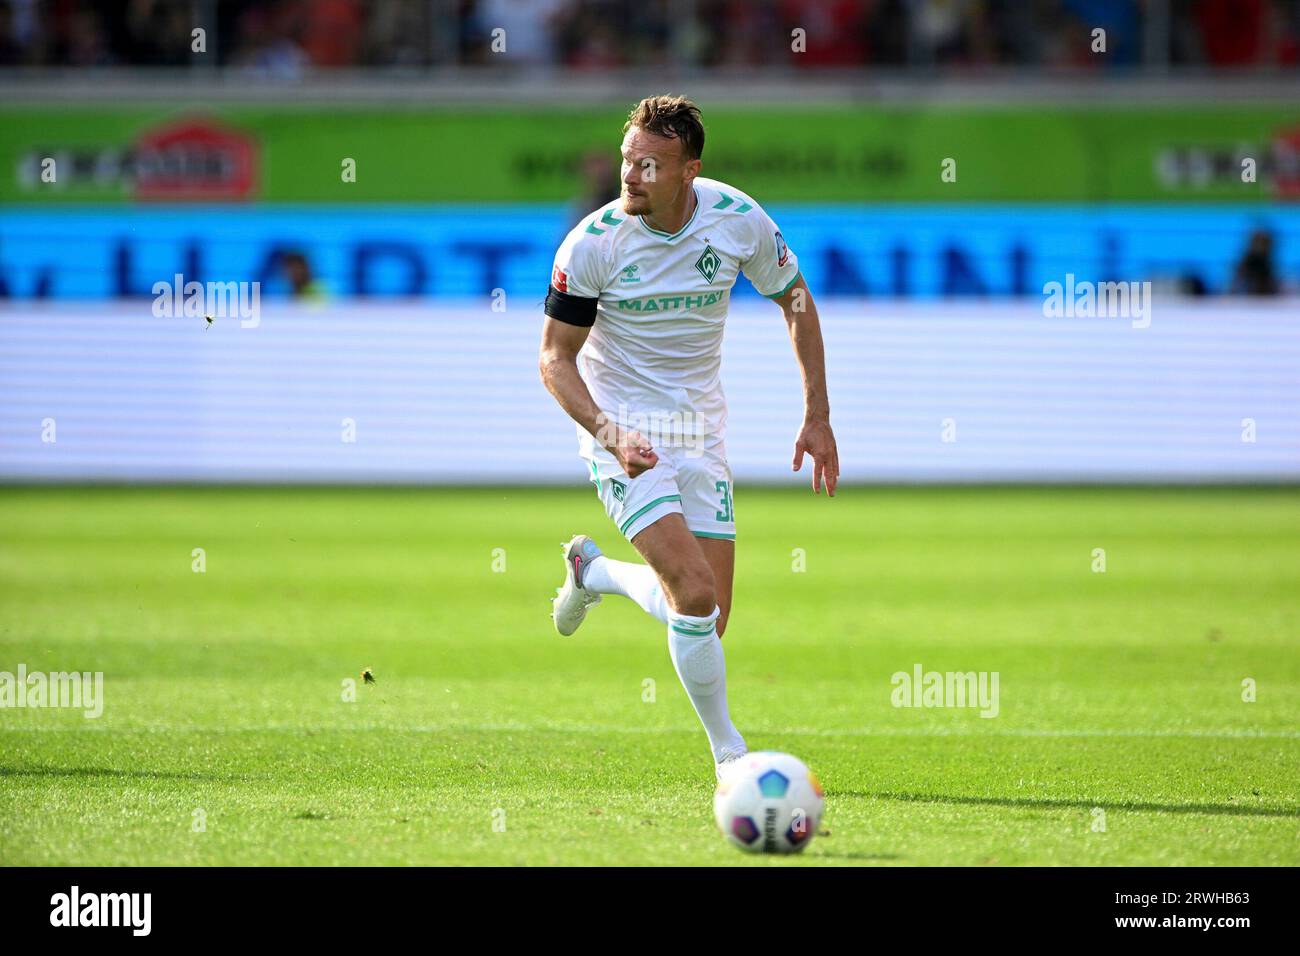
(605, 729)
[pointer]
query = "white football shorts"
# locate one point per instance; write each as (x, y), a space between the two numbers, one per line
(693, 482)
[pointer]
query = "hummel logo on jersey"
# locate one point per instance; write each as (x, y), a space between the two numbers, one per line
(630, 273)
(708, 263)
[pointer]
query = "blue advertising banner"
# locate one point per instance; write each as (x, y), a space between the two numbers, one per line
(910, 251)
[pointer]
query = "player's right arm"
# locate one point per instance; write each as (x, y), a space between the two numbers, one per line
(570, 314)
(558, 364)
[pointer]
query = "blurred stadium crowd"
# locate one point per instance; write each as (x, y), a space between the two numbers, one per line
(288, 37)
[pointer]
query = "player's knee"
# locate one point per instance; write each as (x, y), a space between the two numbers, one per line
(694, 592)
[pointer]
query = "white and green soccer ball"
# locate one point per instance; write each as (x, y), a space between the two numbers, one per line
(768, 802)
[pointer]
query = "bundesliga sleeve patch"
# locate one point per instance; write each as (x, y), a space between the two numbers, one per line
(559, 279)
(570, 309)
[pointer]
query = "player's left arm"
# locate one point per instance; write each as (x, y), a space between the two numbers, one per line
(815, 435)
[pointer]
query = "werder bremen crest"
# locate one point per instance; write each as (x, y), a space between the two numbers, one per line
(708, 263)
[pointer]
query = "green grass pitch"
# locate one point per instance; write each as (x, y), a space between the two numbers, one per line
(489, 739)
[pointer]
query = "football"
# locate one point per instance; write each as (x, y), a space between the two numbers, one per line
(768, 802)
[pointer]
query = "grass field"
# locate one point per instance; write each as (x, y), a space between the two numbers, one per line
(1120, 692)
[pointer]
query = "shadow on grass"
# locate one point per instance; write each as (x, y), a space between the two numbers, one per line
(1225, 809)
(832, 855)
(108, 773)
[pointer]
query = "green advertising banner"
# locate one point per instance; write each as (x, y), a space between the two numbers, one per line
(813, 154)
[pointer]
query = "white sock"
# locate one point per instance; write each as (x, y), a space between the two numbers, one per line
(696, 651)
(636, 581)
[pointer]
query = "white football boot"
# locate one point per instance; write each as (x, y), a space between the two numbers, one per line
(572, 600)
(726, 763)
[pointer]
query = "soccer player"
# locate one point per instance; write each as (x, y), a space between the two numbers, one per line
(631, 349)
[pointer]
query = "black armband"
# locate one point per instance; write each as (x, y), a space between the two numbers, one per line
(570, 309)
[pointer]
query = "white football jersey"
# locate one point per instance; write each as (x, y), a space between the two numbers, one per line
(654, 353)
